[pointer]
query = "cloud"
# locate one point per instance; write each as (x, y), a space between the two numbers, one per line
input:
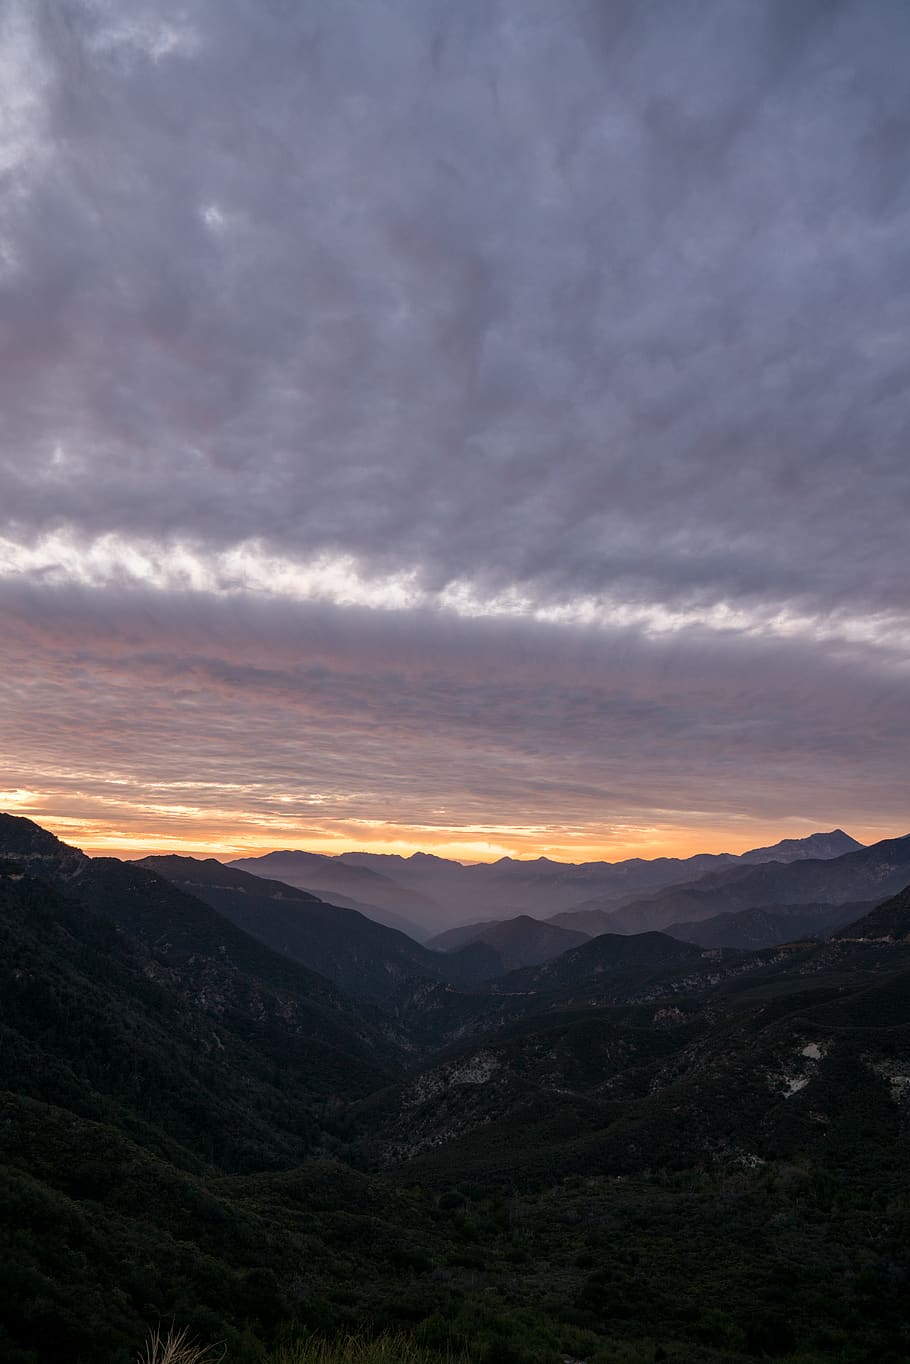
(540, 369)
(179, 707)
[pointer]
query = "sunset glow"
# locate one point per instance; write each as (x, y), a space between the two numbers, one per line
(361, 490)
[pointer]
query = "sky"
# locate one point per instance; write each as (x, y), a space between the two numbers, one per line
(480, 428)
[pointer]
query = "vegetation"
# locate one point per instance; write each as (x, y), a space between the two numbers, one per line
(713, 1169)
(175, 1347)
(388, 1348)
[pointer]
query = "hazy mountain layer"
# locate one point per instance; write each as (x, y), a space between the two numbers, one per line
(360, 956)
(874, 872)
(756, 928)
(521, 941)
(437, 893)
(326, 876)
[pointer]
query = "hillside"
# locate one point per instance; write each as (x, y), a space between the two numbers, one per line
(518, 942)
(583, 968)
(750, 929)
(132, 1078)
(399, 906)
(360, 956)
(889, 921)
(818, 1073)
(584, 1162)
(224, 978)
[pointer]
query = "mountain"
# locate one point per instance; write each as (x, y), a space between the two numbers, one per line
(888, 922)
(799, 1055)
(521, 941)
(582, 970)
(539, 886)
(360, 956)
(820, 847)
(99, 1023)
(417, 932)
(871, 873)
(545, 889)
(640, 1149)
(453, 938)
(386, 900)
(140, 1078)
(590, 921)
(755, 928)
(236, 996)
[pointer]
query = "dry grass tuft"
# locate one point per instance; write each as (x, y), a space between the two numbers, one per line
(176, 1347)
(385, 1349)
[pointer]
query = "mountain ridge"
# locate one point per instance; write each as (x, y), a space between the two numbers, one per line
(360, 956)
(438, 894)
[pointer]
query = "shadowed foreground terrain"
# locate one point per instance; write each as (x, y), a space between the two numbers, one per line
(641, 1149)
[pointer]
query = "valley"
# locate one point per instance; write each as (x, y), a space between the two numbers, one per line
(229, 1102)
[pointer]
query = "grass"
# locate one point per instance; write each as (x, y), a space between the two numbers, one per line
(384, 1349)
(177, 1347)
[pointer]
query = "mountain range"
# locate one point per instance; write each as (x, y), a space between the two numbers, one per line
(435, 894)
(228, 1101)
(360, 956)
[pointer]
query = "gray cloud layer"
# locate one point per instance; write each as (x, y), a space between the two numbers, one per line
(317, 715)
(584, 299)
(579, 295)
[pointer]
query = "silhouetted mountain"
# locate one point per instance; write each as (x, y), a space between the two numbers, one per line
(360, 956)
(545, 889)
(756, 928)
(819, 847)
(522, 941)
(541, 887)
(879, 870)
(377, 895)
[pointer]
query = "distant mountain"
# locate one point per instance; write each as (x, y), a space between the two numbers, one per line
(453, 938)
(522, 941)
(417, 932)
(821, 847)
(546, 889)
(590, 921)
(879, 870)
(332, 876)
(750, 929)
(360, 956)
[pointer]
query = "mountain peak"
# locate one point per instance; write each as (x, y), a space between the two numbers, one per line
(817, 846)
